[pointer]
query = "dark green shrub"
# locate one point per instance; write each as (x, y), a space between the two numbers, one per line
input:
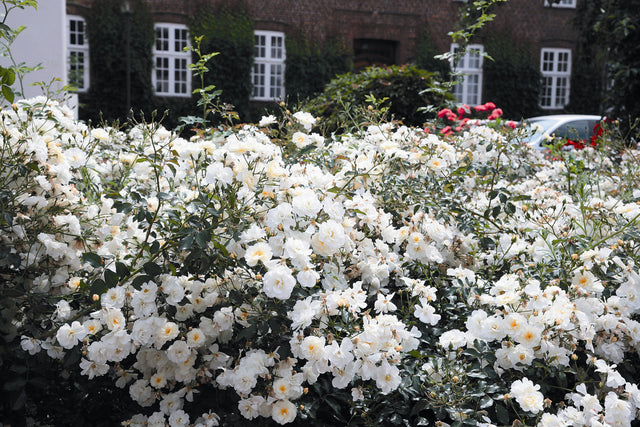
(309, 66)
(106, 28)
(511, 78)
(406, 89)
(227, 28)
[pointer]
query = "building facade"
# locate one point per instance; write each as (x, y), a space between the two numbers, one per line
(374, 32)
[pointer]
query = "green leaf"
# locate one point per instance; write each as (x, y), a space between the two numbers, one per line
(7, 93)
(110, 278)
(152, 269)
(486, 402)
(122, 270)
(502, 414)
(10, 77)
(186, 243)
(93, 259)
(98, 286)
(141, 280)
(248, 333)
(203, 238)
(8, 218)
(487, 243)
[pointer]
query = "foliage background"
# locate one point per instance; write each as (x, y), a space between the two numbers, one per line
(511, 75)
(403, 90)
(310, 65)
(228, 29)
(106, 98)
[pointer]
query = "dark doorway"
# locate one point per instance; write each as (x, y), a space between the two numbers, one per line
(373, 52)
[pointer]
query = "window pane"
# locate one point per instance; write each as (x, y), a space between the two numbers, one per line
(260, 46)
(76, 32)
(76, 69)
(276, 47)
(162, 38)
(258, 79)
(180, 39)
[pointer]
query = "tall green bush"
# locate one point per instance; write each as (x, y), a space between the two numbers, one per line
(310, 66)
(405, 88)
(106, 30)
(511, 76)
(227, 29)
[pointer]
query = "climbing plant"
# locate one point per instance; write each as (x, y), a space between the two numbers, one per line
(227, 29)
(106, 30)
(426, 55)
(310, 65)
(511, 69)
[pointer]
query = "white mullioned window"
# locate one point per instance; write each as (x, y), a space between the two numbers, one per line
(468, 67)
(171, 74)
(77, 53)
(267, 75)
(568, 4)
(555, 66)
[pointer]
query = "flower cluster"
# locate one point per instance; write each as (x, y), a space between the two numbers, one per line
(451, 277)
(466, 116)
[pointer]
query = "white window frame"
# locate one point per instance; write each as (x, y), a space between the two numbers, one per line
(562, 4)
(267, 74)
(77, 52)
(171, 74)
(555, 67)
(469, 73)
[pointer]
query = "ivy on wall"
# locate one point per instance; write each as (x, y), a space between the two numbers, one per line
(106, 30)
(310, 65)
(425, 55)
(588, 69)
(511, 75)
(227, 29)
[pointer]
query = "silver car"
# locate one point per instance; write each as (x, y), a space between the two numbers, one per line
(543, 130)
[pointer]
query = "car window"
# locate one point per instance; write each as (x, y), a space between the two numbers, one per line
(535, 128)
(576, 130)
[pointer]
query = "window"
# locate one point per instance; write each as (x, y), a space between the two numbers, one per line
(578, 130)
(78, 53)
(267, 75)
(555, 65)
(568, 4)
(171, 76)
(468, 87)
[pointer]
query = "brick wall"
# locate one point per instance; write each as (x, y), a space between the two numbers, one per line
(400, 21)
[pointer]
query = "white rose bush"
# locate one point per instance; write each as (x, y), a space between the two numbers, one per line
(267, 274)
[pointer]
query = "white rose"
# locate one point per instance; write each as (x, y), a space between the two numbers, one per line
(278, 282)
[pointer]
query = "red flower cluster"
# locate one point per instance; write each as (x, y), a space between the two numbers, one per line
(598, 130)
(459, 120)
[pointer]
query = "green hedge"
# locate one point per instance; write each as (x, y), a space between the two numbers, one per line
(403, 86)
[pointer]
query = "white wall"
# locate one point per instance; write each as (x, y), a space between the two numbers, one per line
(43, 42)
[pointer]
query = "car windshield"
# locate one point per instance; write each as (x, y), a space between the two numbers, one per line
(535, 128)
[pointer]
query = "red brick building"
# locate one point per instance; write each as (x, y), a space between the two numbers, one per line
(374, 31)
